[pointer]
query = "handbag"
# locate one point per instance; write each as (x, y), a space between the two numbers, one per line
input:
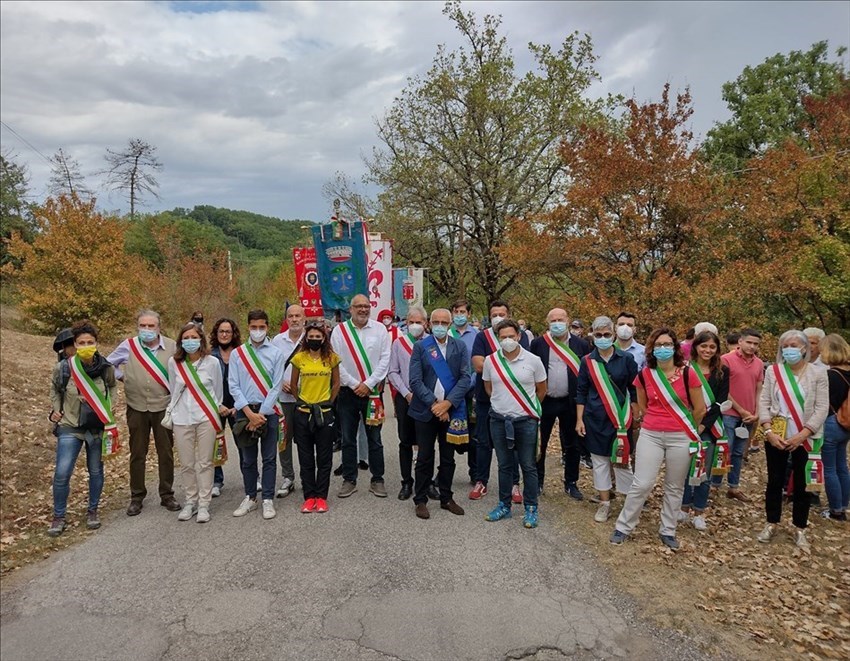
(167, 421)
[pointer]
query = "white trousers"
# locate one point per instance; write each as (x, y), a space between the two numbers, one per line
(623, 476)
(195, 445)
(653, 448)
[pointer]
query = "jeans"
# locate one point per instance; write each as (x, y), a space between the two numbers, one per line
(68, 449)
(777, 461)
(426, 434)
(267, 446)
(524, 452)
(698, 496)
(835, 472)
(483, 446)
(562, 409)
(351, 410)
(737, 448)
(315, 455)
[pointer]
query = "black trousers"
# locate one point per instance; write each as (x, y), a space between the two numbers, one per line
(562, 409)
(777, 460)
(406, 438)
(426, 434)
(315, 455)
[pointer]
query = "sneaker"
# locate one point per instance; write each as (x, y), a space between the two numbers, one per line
(587, 463)
(268, 509)
(216, 490)
(286, 488)
(800, 539)
(378, 489)
(530, 518)
(699, 523)
(248, 505)
(767, 534)
(478, 491)
(602, 512)
(203, 515)
(309, 506)
(670, 542)
(259, 484)
(682, 516)
(92, 520)
(189, 510)
(57, 527)
(618, 537)
(835, 516)
(516, 495)
(573, 491)
(321, 505)
(347, 489)
(501, 511)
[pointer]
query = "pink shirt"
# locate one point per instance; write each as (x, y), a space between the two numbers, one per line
(744, 377)
(656, 417)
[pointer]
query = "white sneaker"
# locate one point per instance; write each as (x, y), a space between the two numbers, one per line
(699, 523)
(286, 488)
(602, 512)
(187, 512)
(268, 510)
(247, 505)
(683, 516)
(767, 534)
(216, 491)
(800, 539)
(203, 515)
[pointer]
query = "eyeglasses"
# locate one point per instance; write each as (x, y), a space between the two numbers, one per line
(601, 335)
(225, 332)
(664, 345)
(361, 307)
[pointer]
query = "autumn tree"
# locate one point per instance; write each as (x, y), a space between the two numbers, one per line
(131, 171)
(472, 144)
(66, 177)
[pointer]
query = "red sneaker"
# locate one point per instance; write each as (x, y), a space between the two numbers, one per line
(321, 505)
(478, 491)
(516, 495)
(309, 506)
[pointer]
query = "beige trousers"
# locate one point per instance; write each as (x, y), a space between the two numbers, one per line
(195, 445)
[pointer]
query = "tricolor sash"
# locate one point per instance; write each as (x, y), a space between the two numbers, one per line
(263, 381)
(375, 410)
(789, 390)
(563, 351)
(671, 403)
(407, 341)
(620, 414)
(150, 362)
(458, 433)
(531, 405)
(492, 340)
(200, 394)
(99, 403)
(814, 464)
(453, 332)
(720, 461)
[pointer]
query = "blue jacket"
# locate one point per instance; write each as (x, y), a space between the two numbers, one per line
(423, 378)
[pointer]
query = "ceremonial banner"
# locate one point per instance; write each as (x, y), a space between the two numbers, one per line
(379, 270)
(307, 280)
(341, 264)
(407, 289)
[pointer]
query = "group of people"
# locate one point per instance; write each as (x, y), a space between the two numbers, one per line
(459, 390)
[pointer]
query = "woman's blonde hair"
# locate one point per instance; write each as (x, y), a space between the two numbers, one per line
(834, 350)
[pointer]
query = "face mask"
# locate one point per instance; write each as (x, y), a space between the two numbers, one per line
(522, 327)
(509, 344)
(415, 330)
(791, 355)
(87, 352)
(315, 345)
(439, 331)
(200, 321)
(191, 346)
(495, 321)
(146, 335)
(576, 332)
(258, 336)
(625, 332)
(460, 320)
(558, 328)
(663, 353)
(603, 342)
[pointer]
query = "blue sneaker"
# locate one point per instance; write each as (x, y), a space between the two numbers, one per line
(573, 491)
(501, 511)
(670, 542)
(618, 537)
(530, 518)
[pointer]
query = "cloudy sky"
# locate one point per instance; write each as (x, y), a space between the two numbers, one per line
(255, 105)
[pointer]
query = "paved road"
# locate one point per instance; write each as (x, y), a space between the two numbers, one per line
(367, 580)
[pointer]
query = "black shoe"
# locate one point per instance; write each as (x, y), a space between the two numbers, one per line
(362, 465)
(573, 491)
(134, 508)
(433, 492)
(337, 446)
(338, 470)
(170, 504)
(406, 492)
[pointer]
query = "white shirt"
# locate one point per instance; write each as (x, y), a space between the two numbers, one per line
(376, 343)
(559, 378)
(529, 371)
(283, 342)
(185, 410)
(439, 391)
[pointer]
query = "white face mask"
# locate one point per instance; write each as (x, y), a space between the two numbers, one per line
(415, 330)
(495, 321)
(509, 344)
(625, 332)
(258, 336)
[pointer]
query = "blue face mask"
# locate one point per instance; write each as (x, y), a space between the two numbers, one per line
(191, 346)
(558, 328)
(792, 355)
(439, 331)
(663, 353)
(147, 335)
(603, 342)
(460, 320)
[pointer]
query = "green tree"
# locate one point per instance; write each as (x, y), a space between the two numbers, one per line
(766, 102)
(472, 144)
(15, 210)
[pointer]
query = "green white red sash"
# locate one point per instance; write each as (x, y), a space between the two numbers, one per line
(375, 410)
(563, 351)
(790, 392)
(671, 402)
(531, 405)
(99, 403)
(453, 332)
(407, 341)
(619, 414)
(814, 464)
(263, 381)
(492, 340)
(150, 362)
(720, 461)
(200, 393)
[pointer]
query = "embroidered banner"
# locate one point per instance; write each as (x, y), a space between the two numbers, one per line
(340, 264)
(408, 289)
(379, 274)
(307, 280)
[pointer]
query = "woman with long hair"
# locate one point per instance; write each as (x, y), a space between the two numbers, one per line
(224, 338)
(315, 381)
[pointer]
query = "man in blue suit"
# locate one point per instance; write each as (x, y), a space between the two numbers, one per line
(439, 379)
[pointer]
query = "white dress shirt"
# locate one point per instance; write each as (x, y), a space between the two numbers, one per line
(376, 342)
(185, 410)
(287, 346)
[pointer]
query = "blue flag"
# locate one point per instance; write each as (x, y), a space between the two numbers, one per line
(341, 263)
